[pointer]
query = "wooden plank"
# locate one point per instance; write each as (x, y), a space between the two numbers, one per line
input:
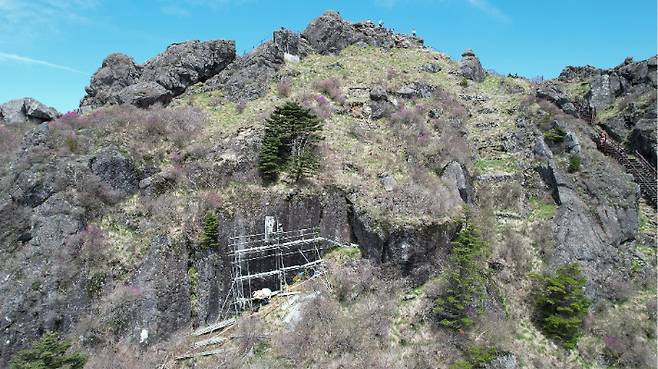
(201, 354)
(208, 342)
(214, 327)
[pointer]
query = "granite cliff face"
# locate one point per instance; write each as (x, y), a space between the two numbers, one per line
(101, 212)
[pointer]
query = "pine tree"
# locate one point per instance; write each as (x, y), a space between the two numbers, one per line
(562, 305)
(49, 352)
(290, 143)
(210, 235)
(466, 280)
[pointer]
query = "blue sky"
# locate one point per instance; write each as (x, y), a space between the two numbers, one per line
(50, 48)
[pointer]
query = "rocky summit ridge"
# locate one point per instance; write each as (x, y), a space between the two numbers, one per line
(103, 212)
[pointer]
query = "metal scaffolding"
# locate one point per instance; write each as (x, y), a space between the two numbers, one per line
(269, 261)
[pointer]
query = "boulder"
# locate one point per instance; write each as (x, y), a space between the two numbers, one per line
(117, 72)
(378, 93)
(470, 66)
(184, 64)
(116, 170)
(571, 143)
(642, 72)
(380, 106)
(605, 87)
(26, 110)
(431, 68)
(144, 94)
(552, 92)
(458, 179)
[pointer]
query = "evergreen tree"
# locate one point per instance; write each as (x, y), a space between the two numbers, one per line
(49, 352)
(290, 143)
(562, 305)
(210, 235)
(466, 280)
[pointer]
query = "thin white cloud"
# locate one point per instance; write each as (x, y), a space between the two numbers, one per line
(489, 8)
(484, 6)
(26, 19)
(184, 8)
(4, 57)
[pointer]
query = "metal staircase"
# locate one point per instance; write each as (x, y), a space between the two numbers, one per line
(642, 171)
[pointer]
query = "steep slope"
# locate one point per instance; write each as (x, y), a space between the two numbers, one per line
(101, 213)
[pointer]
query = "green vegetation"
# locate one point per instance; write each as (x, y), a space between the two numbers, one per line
(463, 82)
(193, 278)
(556, 134)
(210, 235)
(291, 137)
(541, 210)
(344, 252)
(490, 165)
(561, 304)
(476, 357)
(466, 279)
(49, 352)
(95, 284)
(574, 164)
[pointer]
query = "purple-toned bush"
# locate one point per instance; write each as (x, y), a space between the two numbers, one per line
(406, 116)
(332, 88)
(448, 105)
(8, 140)
(284, 87)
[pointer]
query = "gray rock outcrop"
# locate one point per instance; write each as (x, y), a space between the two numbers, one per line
(26, 110)
(470, 66)
(248, 77)
(553, 93)
(117, 72)
(184, 64)
(116, 170)
(329, 34)
(169, 74)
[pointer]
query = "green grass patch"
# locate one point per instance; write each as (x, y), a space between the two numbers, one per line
(344, 253)
(495, 165)
(541, 210)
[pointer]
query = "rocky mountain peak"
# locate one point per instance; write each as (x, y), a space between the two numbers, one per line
(121, 81)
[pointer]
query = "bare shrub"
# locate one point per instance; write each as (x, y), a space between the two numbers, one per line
(240, 107)
(514, 250)
(249, 334)
(392, 74)
(284, 87)
(8, 140)
(351, 281)
(178, 125)
(452, 143)
(357, 337)
(123, 356)
(331, 87)
(409, 116)
(543, 239)
(447, 105)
